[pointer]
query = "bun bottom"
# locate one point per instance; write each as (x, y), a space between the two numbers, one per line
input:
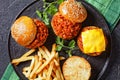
(76, 68)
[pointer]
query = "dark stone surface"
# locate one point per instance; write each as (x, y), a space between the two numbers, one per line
(8, 11)
(113, 71)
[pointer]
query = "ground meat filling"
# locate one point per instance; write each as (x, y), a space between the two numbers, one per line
(64, 28)
(41, 36)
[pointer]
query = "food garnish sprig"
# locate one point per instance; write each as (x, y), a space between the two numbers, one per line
(70, 47)
(49, 10)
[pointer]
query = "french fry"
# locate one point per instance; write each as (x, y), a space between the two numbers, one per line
(43, 53)
(53, 49)
(61, 58)
(25, 69)
(25, 73)
(58, 70)
(35, 69)
(40, 55)
(57, 74)
(60, 73)
(31, 67)
(29, 53)
(44, 64)
(46, 51)
(36, 60)
(55, 78)
(22, 59)
(50, 70)
(44, 73)
(56, 62)
(38, 78)
(53, 74)
(17, 61)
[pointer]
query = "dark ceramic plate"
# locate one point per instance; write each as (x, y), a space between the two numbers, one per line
(98, 63)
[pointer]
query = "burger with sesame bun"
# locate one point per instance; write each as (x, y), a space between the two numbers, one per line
(28, 32)
(67, 22)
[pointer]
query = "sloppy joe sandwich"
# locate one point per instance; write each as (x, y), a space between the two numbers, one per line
(28, 32)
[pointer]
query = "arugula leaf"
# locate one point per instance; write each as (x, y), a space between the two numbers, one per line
(52, 9)
(72, 44)
(44, 3)
(59, 41)
(60, 1)
(39, 13)
(60, 45)
(49, 9)
(69, 53)
(72, 47)
(45, 18)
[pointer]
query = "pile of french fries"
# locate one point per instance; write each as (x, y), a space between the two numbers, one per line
(44, 65)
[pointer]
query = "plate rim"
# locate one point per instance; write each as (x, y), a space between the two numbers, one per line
(103, 70)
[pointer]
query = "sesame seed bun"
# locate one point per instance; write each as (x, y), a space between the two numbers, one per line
(24, 30)
(73, 10)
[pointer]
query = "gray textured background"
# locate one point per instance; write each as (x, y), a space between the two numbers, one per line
(10, 8)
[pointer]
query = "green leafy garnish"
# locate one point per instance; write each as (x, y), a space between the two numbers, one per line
(49, 10)
(69, 52)
(59, 1)
(71, 44)
(70, 47)
(60, 43)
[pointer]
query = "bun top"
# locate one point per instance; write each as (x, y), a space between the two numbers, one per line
(73, 10)
(24, 30)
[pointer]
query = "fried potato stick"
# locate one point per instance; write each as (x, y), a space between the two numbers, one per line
(31, 67)
(61, 58)
(29, 53)
(17, 61)
(43, 53)
(50, 70)
(46, 51)
(53, 49)
(45, 64)
(26, 69)
(35, 69)
(22, 59)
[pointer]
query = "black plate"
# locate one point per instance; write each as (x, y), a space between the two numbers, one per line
(98, 63)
